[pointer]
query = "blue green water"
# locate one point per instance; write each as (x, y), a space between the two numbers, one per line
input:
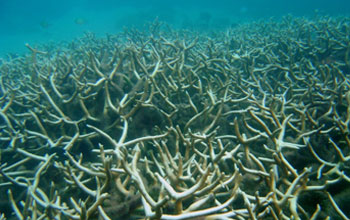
(42, 21)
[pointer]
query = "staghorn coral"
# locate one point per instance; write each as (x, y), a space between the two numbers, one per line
(170, 124)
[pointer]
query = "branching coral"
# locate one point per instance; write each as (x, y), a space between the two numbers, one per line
(245, 124)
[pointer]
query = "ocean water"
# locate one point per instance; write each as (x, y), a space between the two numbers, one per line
(43, 21)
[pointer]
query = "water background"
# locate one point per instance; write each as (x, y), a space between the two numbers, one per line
(43, 21)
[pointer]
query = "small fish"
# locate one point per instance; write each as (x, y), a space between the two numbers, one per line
(80, 21)
(44, 24)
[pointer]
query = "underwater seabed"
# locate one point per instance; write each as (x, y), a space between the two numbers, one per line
(247, 123)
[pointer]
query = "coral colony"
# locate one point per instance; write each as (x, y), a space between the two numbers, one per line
(250, 123)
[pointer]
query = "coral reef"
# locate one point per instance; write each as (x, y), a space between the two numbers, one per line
(249, 123)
